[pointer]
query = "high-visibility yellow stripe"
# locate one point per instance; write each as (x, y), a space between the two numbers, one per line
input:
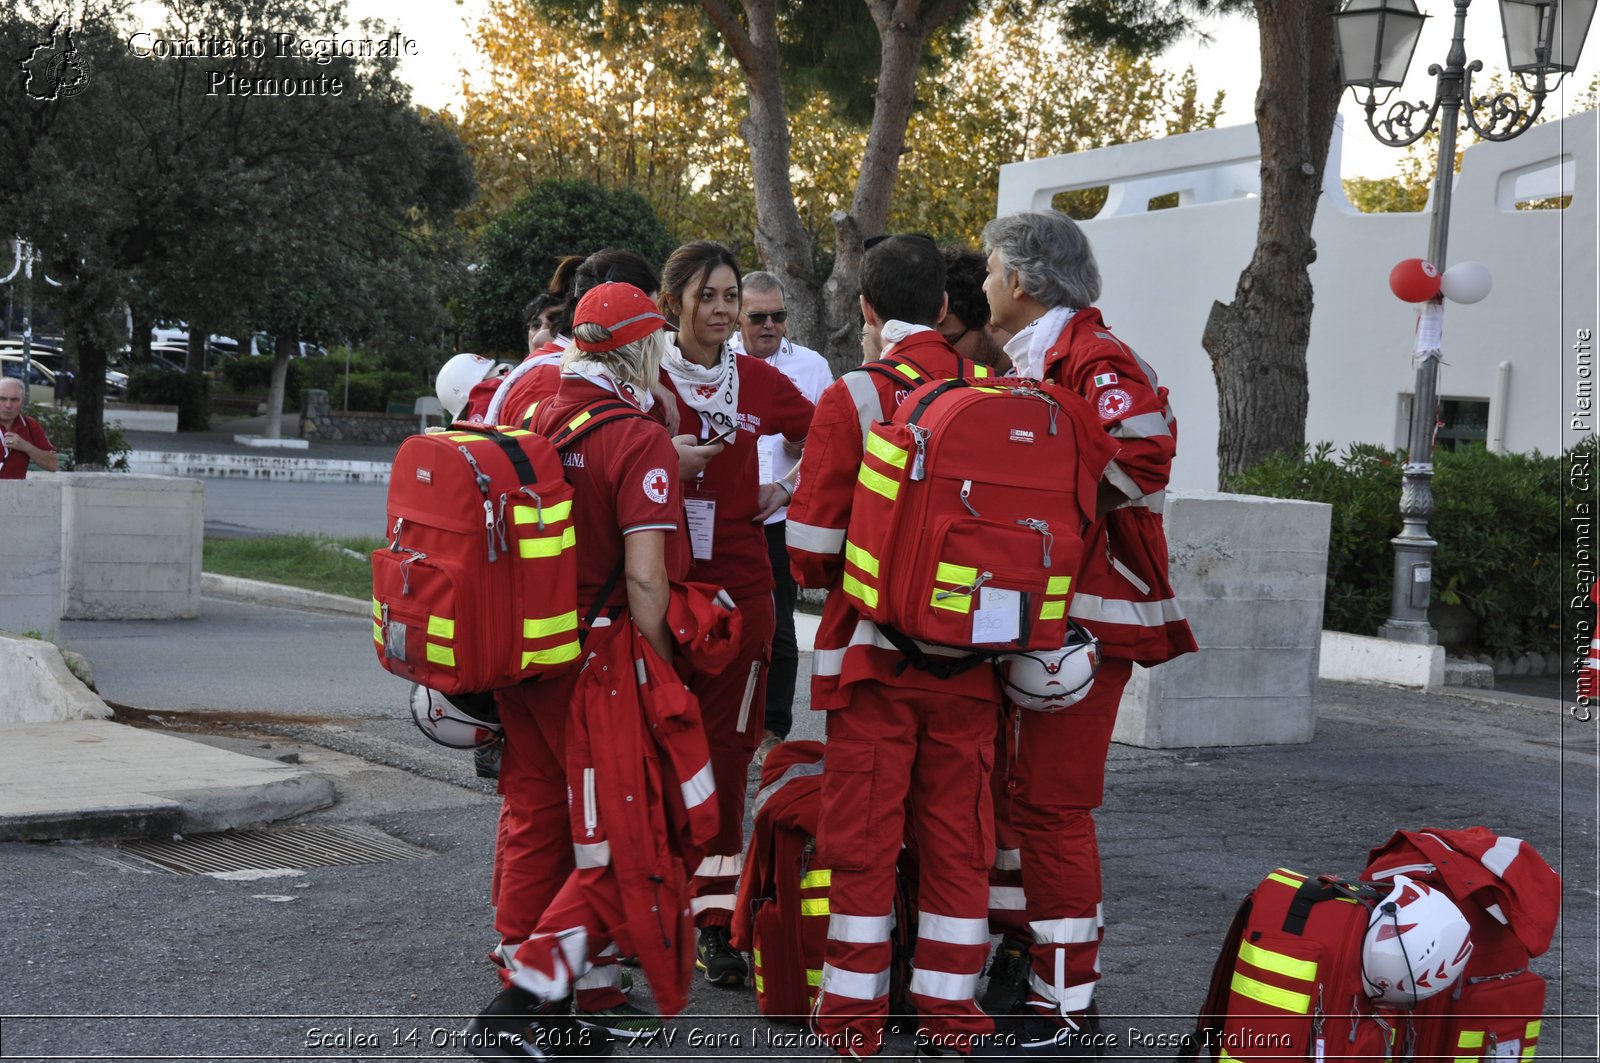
(441, 655)
(1533, 1029)
(1057, 585)
(514, 432)
(885, 451)
(860, 558)
(551, 514)
(814, 976)
(980, 370)
(1470, 1039)
(814, 906)
(856, 589)
(1529, 1052)
(377, 610)
(1468, 1059)
(1271, 996)
(876, 482)
(578, 420)
(959, 575)
(761, 983)
(815, 879)
(1278, 963)
(991, 391)
(547, 545)
(538, 627)
(756, 955)
(441, 627)
(1281, 875)
(956, 603)
(377, 633)
(906, 370)
(461, 437)
(560, 655)
(1052, 610)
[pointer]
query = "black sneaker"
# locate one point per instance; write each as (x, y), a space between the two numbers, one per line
(486, 761)
(713, 955)
(518, 1025)
(1043, 1035)
(1008, 979)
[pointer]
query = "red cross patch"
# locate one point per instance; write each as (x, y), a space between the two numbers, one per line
(656, 485)
(1113, 404)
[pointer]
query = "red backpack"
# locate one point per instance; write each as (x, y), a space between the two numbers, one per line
(966, 528)
(1287, 984)
(477, 589)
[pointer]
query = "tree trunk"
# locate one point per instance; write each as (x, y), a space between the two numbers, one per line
(194, 406)
(1257, 343)
(288, 343)
(139, 342)
(86, 335)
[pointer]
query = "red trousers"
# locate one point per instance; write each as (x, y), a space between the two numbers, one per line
(891, 750)
(533, 843)
(732, 705)
(1050, 776)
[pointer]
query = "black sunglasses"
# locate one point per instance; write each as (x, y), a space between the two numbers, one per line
(778, 317)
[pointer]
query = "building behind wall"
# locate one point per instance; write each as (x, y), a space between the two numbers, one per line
(1510, 368)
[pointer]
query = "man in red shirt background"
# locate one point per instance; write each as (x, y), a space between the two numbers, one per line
(22, 439)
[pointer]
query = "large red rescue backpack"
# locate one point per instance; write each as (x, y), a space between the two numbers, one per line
(1287, 984)
(1512, 900)
(966, 528)
(477, 589)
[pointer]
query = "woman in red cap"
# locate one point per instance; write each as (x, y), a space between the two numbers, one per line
(733, 400)
(627, 509)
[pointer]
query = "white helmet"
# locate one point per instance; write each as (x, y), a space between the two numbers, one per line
(455, 380)
(458, 722)
(1417, 944)
(1050, 680)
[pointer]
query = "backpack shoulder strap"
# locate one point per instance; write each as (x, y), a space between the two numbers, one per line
(591, 417)
(507, 442)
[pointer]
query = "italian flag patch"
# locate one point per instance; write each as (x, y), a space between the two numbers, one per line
(1105, 380)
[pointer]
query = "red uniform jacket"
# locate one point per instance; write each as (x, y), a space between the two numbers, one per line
(850, 648)
(1124, 597)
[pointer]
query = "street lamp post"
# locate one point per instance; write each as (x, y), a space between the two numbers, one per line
(1376, 39)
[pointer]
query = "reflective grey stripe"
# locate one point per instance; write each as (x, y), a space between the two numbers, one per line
(942, 985)
(596, 855)
(1140, 426)
(813, 538)
(1008, 859)
(795, 771)
(952, 930)
(1075, 998)
(720, 866)
(1155, 502)
(854, 985)
(640, 671)
(700, 788)
(712, 901)
(1079, 931)
(859, 929)
(1128, 574)
(864, 393)
(1117, 477)
(1007, 899)
(1095, 609)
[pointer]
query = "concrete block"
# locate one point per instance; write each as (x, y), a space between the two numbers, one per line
(30, 577)
(1359, 659)
(39, 686)
(131, 547)
(1250, 574)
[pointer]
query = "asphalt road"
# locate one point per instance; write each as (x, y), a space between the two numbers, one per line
(247, 508)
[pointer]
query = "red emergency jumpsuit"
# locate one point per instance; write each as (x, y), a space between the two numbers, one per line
(897, 737)
(1052, 766)
(625, 480)
(733, 700)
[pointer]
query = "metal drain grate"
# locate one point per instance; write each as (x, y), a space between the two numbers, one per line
(265, 850)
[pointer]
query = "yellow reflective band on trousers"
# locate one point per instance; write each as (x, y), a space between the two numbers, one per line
(441, 627)
(1271, 996)
(886, 451)
(853, 587)
(560, 655)
(822, 879)
(550, 514)
(442, 655)
(860, 558)
(535, 627)
(547, 545)
(1278, 963)
(878, 483)
(814, 906)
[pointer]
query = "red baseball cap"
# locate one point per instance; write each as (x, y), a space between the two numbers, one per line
(627, 313)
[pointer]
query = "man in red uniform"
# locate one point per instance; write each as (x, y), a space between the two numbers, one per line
(1042, 279)
(22, 439)
(897, 736)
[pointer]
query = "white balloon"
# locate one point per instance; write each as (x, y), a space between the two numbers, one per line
(1466, 282)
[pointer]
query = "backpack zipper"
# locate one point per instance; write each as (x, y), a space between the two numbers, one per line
(483, 482)
(1043, 528)
(920, 435)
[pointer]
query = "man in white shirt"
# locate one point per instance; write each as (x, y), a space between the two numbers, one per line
(761, 335)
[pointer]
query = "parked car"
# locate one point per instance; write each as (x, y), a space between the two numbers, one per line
(41, 379)
(262, 343)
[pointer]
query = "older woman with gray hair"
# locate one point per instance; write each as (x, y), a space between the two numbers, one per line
(1041, 284)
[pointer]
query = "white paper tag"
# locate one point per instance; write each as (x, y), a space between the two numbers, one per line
(702, 515)
(764, 474)
(1430, 327)
(1507, 1050)
(998, 617)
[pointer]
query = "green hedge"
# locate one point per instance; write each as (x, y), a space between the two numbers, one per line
(167, 387)
(1497, 519)
(61, 425)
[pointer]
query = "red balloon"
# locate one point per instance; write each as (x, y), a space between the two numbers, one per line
(1414, 280)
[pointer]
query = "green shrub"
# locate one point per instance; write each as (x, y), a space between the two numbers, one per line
(167, 387)
(372, 391)
(61, 425)
(1497, 519)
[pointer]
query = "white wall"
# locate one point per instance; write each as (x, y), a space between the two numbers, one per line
(1163, 269)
